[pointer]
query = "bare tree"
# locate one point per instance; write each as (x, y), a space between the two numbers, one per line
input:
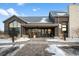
(2, 34)
(13, 33)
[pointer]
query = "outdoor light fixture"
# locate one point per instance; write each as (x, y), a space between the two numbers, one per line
(59, 25)
(63, 27)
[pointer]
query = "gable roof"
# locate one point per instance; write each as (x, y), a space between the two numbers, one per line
(14, 16)
(36, 19)
(40, 19)
(32, 19)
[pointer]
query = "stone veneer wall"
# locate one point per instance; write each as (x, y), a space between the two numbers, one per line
(73, 19)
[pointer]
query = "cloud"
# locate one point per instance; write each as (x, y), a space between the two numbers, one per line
(22, 14)
(35, 9)
(8, 12)
(20, 4)
(3, 12)
(11, 11)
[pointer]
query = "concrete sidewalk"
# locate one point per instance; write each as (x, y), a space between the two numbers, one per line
(62, 40)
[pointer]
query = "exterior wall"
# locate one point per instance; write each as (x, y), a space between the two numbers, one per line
(58, 20)
(6, 28)
(73, 19)
(6, 24)
(56, 31)
(61, 20)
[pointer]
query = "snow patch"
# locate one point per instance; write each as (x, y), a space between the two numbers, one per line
(56, 50)
(5, 41)
(61, 14)
(44, 20)
(22, 39)
(62, 40)
(10, 41)
(1, 46)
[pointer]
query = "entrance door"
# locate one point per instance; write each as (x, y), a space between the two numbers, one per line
(41, 32)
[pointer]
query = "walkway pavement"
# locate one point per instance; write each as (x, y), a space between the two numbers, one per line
(38, 45)
(61, 42)
(49, 41)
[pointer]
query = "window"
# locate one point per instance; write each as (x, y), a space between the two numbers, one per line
(14, 24)
(11, 25)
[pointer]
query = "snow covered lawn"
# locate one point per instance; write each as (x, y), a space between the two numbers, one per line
(56, 50)
(61, 40)
(22, 39)
(73, 39)
(5, 40)
(10, 41)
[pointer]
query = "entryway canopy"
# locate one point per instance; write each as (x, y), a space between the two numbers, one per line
(39, 25)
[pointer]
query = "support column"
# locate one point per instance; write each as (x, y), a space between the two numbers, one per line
(21, 31)
(41, 32)
(44, 32)
(56, 31)
(60, 34)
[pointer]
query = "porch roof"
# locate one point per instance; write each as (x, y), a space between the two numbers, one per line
(40, 25)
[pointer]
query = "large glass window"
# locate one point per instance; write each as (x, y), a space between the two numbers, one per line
(11, 25)
(14, 24)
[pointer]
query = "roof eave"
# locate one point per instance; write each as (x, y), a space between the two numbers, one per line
(13, 16)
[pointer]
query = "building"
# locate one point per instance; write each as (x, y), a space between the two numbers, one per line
(73, 20)
(45, 26)
(38, 26)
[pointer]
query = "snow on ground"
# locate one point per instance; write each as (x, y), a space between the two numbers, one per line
(5, 41)
(53, 40)
(62, 40)
(56, 50)
(7, 46)
(73, 39)
(2, 46)
(22, 39)
(10, 41)
(14, 52)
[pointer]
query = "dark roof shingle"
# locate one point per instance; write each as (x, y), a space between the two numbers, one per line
(58, 13)
(35, 19)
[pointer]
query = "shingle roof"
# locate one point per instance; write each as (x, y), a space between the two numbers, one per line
(58, 13)
(36, 19)
(41, 19)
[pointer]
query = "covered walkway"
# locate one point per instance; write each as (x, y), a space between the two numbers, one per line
(40, 29)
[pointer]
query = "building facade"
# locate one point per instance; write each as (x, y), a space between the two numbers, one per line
(46, 26)
(73, 20)
(39, 26)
